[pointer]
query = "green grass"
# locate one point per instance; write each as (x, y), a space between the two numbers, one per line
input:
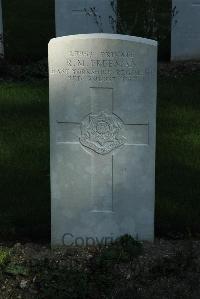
(4, 257)
(24, 158)
(178, 159)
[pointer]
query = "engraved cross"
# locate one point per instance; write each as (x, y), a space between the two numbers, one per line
(102, 165)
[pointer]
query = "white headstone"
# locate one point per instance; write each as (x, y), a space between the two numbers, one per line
(85, 16)
(103, 127)
(1, 32)
(185, 36)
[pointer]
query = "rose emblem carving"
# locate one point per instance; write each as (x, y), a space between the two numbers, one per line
(101, 132)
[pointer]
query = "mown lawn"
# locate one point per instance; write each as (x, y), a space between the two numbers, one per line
(178, 158)
(24, 159)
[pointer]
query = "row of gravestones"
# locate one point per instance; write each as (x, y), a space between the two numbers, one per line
(99, 16)
(88, 16)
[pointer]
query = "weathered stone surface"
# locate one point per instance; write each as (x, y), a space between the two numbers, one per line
(185, 36)
(103, 122)
(85, 16)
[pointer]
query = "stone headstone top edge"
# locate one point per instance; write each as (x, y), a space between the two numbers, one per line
(107, 36)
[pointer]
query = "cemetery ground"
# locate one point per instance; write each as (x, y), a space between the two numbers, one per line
(127, 269)
(167, 269)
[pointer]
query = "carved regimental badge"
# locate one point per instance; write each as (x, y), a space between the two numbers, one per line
(101, 132)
